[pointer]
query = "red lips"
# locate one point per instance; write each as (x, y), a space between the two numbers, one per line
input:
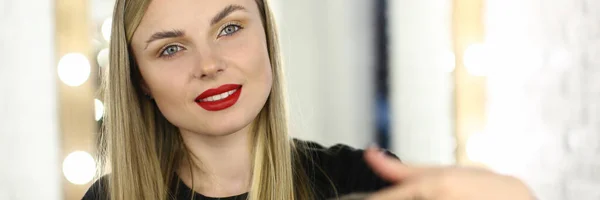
(219, 98)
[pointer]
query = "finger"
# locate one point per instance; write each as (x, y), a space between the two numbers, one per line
(387, 168)
(392, 169)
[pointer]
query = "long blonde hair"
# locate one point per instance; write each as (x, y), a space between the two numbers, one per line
(142, 150)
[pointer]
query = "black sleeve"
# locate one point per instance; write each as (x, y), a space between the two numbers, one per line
(97, 191)
(351, 172)
(345, 167)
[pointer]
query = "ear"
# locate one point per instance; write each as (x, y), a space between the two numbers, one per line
(145, 88)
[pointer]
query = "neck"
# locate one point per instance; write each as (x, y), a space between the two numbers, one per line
(220, 165)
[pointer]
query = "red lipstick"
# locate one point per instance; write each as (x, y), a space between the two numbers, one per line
(219, 98)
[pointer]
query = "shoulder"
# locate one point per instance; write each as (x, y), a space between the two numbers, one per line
(98, 190)
(341, 164)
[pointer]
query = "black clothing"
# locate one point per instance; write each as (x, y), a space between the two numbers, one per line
(341, 165)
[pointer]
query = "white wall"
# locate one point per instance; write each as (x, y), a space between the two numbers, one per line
(29, 140)
(327, 48)
(421, 87)
(544, 97)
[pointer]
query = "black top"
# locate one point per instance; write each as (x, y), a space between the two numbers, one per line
(343, 165)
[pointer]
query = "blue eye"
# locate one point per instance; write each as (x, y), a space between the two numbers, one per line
(229, 29)
(170, 50)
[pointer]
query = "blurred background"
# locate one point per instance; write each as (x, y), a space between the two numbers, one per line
(509, 85)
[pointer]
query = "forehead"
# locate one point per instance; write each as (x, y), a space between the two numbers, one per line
(178, 14)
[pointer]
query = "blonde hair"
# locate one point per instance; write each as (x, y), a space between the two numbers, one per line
(142, 150)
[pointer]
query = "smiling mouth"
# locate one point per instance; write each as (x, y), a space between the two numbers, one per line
(219, 98)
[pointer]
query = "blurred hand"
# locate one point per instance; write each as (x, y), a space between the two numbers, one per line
(442, 183)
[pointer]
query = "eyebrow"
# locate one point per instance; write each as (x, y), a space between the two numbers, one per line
(163, 35)
(225, 12)
(180, 33)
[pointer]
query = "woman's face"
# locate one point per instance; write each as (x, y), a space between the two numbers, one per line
(205, 63)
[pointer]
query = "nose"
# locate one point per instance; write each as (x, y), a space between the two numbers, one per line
(208, 66)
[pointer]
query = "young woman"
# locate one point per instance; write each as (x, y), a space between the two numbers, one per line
(195, 109)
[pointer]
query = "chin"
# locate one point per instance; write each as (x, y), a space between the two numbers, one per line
(233, 120)
(228, 121)
(221, 125)
(226, 129)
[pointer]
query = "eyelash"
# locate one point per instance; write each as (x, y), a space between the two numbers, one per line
(165, 55)
(236, 25)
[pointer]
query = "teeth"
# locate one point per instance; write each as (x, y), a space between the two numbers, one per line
(219, 96)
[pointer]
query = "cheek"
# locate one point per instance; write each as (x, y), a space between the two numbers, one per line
(263, 71)
(252, 57)
(260, 67)
(165, 81)
(268, 75)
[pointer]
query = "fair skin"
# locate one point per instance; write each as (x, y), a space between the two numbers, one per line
(186, 47)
